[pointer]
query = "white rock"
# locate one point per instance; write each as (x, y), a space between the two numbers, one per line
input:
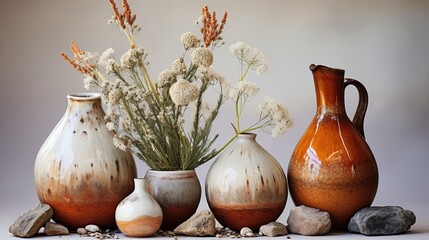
(244, 231)
(92, 228)
(82, 231)
(308, 221)
(273, 229)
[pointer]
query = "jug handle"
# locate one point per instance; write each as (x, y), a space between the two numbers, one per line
(359, 116)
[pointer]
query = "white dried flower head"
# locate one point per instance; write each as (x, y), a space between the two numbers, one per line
(202, 56)
(133, 57)
(183, 92)
(259, 62)
(279, 115)
(114, 96)
(252, 56)
(121, 142)
(87, 82)
(166, 77)
(189, 40)
(88, 58)
(215, 77)
(240, 49)
(106, 56)
(110, 126)
(245, 89)
(179, 66)
(126, 124)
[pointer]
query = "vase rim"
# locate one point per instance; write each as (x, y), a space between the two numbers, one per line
(161, 172)
(247, 135)
(83, 96)
(314, 67)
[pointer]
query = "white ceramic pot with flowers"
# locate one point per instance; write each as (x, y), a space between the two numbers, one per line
(246, 186)
(149, 117)
(139, 215)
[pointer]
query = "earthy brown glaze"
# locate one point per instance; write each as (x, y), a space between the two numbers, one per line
(246, 186)
(142, 226)
(237, 217)
(78, 171)
(332, 168)
(177, 192)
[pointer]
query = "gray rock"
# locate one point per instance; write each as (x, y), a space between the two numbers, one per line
(54, 229)
(382, 220)
(308, 221)
(92, 228)
(273, 229)
(200, 224)
(29, 223)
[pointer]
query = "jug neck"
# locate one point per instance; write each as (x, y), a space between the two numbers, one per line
(329, 85)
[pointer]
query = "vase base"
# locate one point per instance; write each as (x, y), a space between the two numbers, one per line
(237, 218)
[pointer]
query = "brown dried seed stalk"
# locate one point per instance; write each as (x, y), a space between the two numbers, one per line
(211, 29)
(78, 52)
(116, 14)
(127, 13)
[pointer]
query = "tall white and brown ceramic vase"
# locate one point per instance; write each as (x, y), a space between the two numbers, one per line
(246, 186)
(177, 192)
(139, 215)
(78, 171)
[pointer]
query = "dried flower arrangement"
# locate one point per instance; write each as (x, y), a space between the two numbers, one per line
(148, 118)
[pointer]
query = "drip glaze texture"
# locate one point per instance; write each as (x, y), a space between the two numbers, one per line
(78, 171)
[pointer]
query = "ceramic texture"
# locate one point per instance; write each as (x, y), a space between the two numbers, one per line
(246, 186)
(78, 171)
(332, 168)
(139, 215)
(177, 192)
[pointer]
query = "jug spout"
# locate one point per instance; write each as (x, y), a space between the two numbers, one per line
(329, 84)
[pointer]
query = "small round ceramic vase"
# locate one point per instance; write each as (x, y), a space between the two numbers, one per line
(246, 186)
(78, 171)
(139, 215)
(177, 192)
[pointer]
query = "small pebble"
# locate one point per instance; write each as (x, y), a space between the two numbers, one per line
(244, 231)
(82, 231)
(250, 234)
(92, 228)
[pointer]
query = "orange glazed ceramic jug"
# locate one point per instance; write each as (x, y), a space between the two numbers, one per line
(332, 168)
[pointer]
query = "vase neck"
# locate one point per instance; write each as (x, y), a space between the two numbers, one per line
(329, 85)
(84, 102)
(140, 184)
(246, 136)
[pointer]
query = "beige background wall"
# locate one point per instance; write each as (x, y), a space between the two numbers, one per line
(384, 44)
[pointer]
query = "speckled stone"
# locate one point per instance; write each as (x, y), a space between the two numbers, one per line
(382, 220)
(29, 223)
(200, 224)
(308, 221)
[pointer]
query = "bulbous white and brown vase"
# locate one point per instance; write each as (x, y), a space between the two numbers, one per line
(246, 186)
(78, 171)
(139, 215)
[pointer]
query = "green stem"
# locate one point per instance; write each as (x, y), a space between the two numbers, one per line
(226, 145)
